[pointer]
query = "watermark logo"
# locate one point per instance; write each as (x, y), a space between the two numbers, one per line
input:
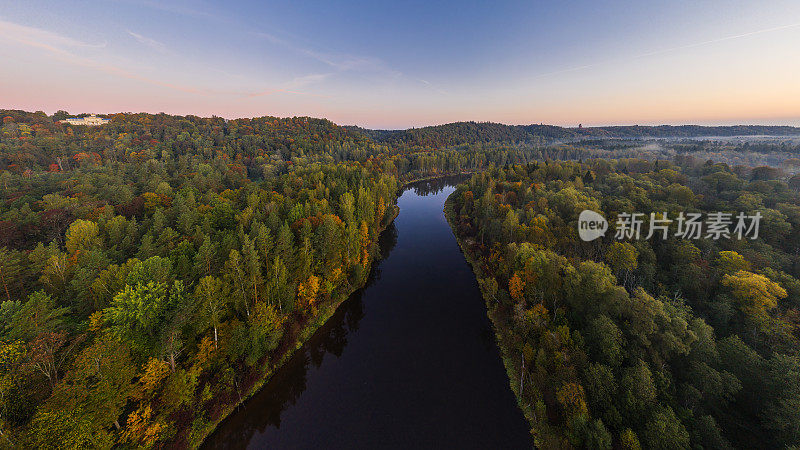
(716, 225)
(591, 225)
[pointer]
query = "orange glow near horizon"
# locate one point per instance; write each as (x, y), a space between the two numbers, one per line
(736, 68)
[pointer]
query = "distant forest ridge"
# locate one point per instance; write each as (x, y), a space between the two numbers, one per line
(459, 133)
(447, 135)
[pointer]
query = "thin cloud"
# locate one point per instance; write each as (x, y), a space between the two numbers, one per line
(174, 9)
(54, 43)
(348, 62)
(152, 43)
(62, 49)
(308, 79)
(41, 38)
(431, 86)
(670, 49)
(269, 92)
(722, 39)
(294, 84)
(340, 62)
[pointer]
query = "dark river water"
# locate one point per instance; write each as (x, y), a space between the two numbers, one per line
(409, 361)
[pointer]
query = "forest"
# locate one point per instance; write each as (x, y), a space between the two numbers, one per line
(154, 271)
(633, 343)
(149, 284)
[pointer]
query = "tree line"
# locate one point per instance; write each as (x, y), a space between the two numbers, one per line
(154, 270)
(659, 343)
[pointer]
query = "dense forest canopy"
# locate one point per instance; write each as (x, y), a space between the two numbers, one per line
(658, 343)
(487, 132)
(154, 270)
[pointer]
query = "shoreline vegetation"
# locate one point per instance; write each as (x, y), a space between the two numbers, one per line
(669, 342)
(147, 264)
(497, 326)
(326, 312)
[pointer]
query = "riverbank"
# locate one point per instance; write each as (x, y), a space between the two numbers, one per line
(502, 338)
(414, 350)
(301, 336)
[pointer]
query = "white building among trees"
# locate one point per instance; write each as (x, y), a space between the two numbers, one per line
(91, 120)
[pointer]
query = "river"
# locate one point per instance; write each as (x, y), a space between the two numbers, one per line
(409, 361)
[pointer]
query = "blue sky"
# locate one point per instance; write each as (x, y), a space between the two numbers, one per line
(401, 64)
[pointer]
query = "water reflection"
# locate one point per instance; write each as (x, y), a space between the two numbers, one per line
(436, 185)
(282, 391)
(407, 362)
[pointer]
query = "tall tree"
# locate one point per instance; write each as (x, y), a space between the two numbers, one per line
(211, 304)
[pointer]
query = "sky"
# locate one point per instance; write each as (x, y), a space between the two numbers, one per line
(400, 64)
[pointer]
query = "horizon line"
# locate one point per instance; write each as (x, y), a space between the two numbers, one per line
(646, 124)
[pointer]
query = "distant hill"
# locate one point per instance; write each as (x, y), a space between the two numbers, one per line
(459, 133)
(666, 131)
(276, 132)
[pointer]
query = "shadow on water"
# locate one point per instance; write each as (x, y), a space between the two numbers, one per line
(264, 409)
(409, 361)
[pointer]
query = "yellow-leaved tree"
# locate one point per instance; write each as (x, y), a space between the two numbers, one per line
(755, 294)
(307, 291)
(516, 287)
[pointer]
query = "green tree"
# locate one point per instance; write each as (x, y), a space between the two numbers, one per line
(252, 266)
(205, 258)
(141, 313)
(623, 259)
(236, 277)
(606, 341)
(665, 431)
(10, 273)
(89, 399)
(783, 394)
(211, 305)
(82, 236)
(40, 314)
(280, 292)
